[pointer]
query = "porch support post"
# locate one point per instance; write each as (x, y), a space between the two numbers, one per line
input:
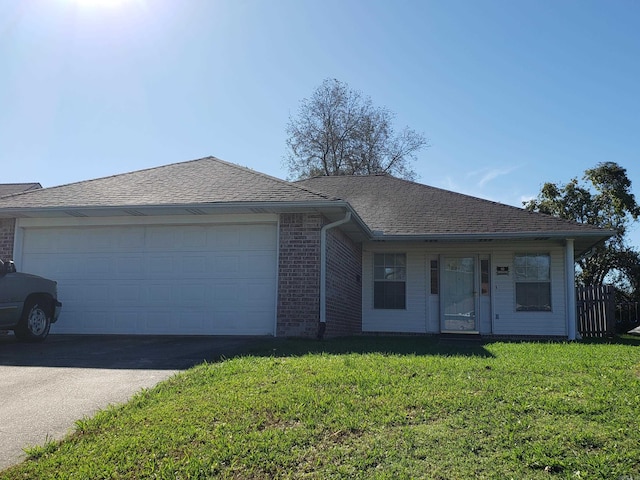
(570, 273)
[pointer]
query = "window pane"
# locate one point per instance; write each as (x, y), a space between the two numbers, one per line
(434, 277)
(389, 266)
(544, 267)
(533, 297)
(389, 260)
(532, 268)
(484, 277)
(389, 295)
(390, 273)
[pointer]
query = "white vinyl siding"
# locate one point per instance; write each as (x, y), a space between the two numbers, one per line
(498, 317)
(412, 318)
(508, 321)
(202, 278)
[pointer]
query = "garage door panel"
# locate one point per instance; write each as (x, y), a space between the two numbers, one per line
(192, 321)
(128, 294)
(128, 239)
(225, 293)
(192, 294)
(194, 265)
(94, 266)
(159, 267)
(208, 279)
(130, 266)
(225, 266)
(227, 237)
(258, 294)
(264, 263)
(126, 322)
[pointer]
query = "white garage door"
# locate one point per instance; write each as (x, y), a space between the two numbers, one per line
(204, 279)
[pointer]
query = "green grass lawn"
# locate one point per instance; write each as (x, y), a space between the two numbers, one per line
(400, 407)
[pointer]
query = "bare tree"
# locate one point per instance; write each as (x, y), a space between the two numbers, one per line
(338, 131)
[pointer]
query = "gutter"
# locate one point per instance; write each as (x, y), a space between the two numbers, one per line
(443, 237)
(323, 271)
(209, 208)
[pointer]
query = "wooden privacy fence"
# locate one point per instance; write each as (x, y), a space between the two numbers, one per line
(596, 310)
(627, 315)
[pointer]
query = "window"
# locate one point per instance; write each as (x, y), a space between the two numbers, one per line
(389, 280)
(533, 282)
(435, 275)
(485, 278)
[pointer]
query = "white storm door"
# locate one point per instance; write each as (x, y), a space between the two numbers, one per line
(458, 295)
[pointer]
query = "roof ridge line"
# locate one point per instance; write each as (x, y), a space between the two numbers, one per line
(444, 191)
(276, 179)
(109, 176)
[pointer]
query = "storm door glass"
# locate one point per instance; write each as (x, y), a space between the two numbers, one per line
(458, 295)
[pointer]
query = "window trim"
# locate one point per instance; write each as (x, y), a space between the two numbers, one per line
(549, 282)
(388, 281)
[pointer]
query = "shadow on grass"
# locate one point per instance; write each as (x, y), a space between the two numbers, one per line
(399, 345)
(386, 345)
(615, 340)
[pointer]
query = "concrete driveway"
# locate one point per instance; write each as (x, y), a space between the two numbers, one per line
(46, 387)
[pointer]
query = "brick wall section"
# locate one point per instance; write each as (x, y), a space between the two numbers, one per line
(344, 285)
(299, 279)
(7, 232)
(299, 275)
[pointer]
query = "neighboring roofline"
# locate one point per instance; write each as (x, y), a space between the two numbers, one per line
(33, 186)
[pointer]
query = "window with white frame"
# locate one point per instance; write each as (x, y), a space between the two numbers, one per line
(532, 273)
(389, 280)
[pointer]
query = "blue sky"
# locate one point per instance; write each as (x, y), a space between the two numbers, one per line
(510, 94)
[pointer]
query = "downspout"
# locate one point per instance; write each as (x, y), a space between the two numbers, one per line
(570, 270)
(323, 272)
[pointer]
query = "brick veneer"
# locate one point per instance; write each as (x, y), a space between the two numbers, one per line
(299, 279)
(7, 231)
(299, 275)
(344, 285)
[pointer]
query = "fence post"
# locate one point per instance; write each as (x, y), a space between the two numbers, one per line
(611, 311)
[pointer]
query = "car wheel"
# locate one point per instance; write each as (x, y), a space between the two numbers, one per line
(35, 323)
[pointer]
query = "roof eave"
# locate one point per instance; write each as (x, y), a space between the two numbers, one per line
(332, 209)
(584, 241)
(490, 235)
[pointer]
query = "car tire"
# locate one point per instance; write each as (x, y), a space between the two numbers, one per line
(35, 322)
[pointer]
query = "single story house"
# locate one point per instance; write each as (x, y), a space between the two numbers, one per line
(208, 247)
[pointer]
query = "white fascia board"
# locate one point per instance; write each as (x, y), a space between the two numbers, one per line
(146, 220)
(184, 213)
(464, 237)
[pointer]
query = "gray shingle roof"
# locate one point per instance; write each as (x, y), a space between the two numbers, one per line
(13, 188)
(385, 204)
(203, 181)
(400, 207)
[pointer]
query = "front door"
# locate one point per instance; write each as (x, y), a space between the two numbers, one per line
(458, 295)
